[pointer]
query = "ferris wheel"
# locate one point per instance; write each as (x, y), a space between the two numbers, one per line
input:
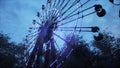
(41, 46)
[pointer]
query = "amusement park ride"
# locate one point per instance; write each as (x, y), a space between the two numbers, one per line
(54, 15)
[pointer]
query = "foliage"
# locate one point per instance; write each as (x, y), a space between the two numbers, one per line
(11, 54)
(107, 54)
(110, 51)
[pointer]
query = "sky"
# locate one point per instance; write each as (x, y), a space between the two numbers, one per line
(16, 17)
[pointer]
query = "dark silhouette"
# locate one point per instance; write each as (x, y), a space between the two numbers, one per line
(11, 55)
(107, 54)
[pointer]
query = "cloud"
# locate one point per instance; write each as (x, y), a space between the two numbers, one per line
(16, 16)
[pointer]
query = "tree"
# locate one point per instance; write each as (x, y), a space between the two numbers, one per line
(106, 55)
(80, 56)
(109, 48)
(11, 55)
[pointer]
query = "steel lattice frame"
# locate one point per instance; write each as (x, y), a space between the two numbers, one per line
(55, 14)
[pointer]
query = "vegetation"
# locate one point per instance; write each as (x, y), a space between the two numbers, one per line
(104, 54)
(11, 55)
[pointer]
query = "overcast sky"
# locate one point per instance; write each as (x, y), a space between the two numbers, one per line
(16, 17)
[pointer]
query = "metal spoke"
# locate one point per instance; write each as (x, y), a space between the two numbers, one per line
(59, 37)
(55, 14)
(76, 30)
(76, 19)
(57, 45)
(73, 4)
(69, 16)
(65, 5)
(77, 8)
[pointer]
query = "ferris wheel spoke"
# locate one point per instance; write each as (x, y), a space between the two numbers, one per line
(56, 7)
(34, 29)
(73, 4)
(77, 8)
(35, 22)
(44, 13)
(30, 48)
(39, 17)
(57, 4)
(65, 5)
(64, 30)
(63, 1)
(76, 30)
(69, 16)
(31, 40)
(50, 3)
(57, 45)
(59, 37)
(32, 57)
(53, 3)
(33, 32)
(71, 28)
(76, 19)
(32, 36)
(74, 10)
(47, 8)
(29, 45)
(55, 14)
(84, 29)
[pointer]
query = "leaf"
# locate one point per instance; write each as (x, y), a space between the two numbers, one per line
(111, 1)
